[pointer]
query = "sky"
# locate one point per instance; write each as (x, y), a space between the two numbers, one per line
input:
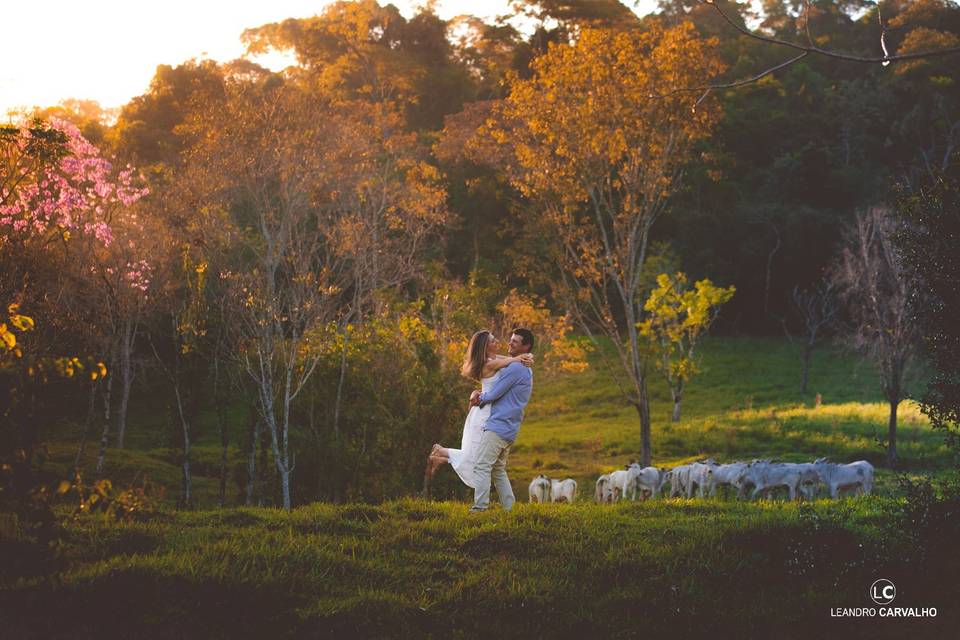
(107, 50)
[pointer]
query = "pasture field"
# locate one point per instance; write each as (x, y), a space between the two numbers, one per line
(416, 568)
(746, 404)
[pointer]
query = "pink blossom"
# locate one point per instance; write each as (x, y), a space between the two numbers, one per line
(76, 193)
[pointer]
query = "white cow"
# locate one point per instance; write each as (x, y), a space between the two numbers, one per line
(635, 482)
(856, 476)
(700, 476)
(619, 480)
(743, 482)
(564, 490)
(766, 476)
(679, 478)
(809, 479)
(666, 478)
(727, 475)
(648, 482)
(604, 492)
(540, 489)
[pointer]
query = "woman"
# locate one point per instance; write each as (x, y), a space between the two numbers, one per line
(481, 364)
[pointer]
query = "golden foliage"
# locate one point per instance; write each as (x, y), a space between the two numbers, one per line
(614, 109)
(561, 352)
(8, 339)
(924, 39)
(678, 318)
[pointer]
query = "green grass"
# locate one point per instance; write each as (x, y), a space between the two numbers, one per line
(412, 568)
(420, 569)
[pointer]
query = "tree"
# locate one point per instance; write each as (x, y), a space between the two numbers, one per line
(57, 193)
(58, 197)
(332, 205)
(678, 318)
(360, 50)
(181, 323)
(928, 241)
(918, 44)
(600, 135)
(817, 308)
(261, 160)
(150, 129)
(880, 295)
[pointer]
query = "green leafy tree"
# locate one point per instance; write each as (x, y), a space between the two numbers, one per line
(678, 318)
(929, 242)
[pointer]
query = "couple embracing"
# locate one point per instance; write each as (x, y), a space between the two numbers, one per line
(493, 422)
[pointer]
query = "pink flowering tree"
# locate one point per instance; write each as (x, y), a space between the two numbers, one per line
(62, 208)
(55, 182)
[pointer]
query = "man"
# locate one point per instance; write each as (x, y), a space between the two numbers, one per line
(508, 398)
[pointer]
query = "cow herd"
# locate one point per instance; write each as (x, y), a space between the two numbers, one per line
(748, 479)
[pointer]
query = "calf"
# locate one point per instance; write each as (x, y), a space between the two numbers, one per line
(619, 481)
(564, 490)
(680, 480)
(701, 476)
(540, 489)
(604, 492)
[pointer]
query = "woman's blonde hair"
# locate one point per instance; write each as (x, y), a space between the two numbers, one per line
(476, 356)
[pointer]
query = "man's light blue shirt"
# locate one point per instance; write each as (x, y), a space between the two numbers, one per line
(509, 395)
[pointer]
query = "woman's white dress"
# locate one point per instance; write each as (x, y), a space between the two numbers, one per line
(463, 459)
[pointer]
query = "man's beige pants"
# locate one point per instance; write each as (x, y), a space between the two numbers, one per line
(492, 464)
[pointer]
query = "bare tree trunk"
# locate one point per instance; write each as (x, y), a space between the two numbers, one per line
(91, 412)
(643, 408)
(638, 372)
(126, 377)
(807, 355)
(252, 460)
(262, 475)
(892, 434)
(343, 375)
(105, 435)
(766, 288)
(279, 443)
(285, 485)
(222, 424)
(187, 496)
(676, 391)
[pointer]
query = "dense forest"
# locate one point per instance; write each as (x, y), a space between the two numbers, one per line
(294, 260)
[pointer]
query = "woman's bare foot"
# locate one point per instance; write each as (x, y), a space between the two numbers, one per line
(434, 463)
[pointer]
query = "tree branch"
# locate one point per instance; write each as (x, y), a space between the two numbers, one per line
(811, 48)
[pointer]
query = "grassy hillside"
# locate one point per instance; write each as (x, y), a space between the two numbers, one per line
(422, 569)
(745, 405)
